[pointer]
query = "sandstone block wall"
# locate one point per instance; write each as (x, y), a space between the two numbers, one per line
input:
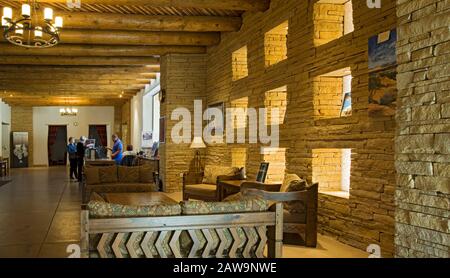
(184, 79)
(367, 217)
(423, 134)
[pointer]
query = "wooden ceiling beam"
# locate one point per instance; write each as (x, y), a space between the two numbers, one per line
(75, 81)
(101, 50)
(66, 87)
(77, 61)
(114, 21)
(108, 37)
(238, 5)
(97, 70)
(71, 78)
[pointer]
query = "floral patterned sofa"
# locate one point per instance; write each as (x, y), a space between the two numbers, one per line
(240, 227)
(117, 179)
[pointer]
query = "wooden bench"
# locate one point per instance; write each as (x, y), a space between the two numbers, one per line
(212, 236)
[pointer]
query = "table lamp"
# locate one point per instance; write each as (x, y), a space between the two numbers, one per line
(198, 144)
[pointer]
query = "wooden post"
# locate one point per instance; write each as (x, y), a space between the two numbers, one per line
(275, 248)
(84, 242)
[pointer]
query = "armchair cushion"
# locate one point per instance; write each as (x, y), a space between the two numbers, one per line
(212, 172)
(128, 174)
(108, 174)
(92, 175)
(146, 174)
(296, 207)
(201, 189)
(288, 178)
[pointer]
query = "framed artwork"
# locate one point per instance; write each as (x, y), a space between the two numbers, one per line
(19, 150)
(162, 130)
(346, 109)
(219, 128)
(383, 92)
(262, 173)
(382, 50)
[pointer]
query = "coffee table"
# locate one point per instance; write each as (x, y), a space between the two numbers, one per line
(139, 199)
(235, 186)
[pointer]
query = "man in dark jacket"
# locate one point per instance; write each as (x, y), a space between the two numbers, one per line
(80, 157)
(72, 151)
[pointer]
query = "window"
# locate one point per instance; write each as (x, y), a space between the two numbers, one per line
(275, 44)
(332, 20)
(332, 94)
(239, 63)
(331, 169)
(151, 115)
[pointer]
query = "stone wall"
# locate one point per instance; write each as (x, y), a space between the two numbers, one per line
(423, 135)
(183, 77)
(367, 216)
(22, 121)
(125, 129)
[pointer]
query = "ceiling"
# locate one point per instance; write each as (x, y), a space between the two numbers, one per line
(110, 49)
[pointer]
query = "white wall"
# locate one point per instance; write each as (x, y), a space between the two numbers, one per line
(141, 113)
(136, 120)
(76, 126)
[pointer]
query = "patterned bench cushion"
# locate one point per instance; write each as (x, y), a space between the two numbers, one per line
(99, 209)
(248, 204)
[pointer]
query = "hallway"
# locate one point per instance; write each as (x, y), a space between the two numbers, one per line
(39, 213)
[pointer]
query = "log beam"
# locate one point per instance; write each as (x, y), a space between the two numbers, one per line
(138, 38)
(46, 69)
(77, 61)
(114, 21)
(101, 50)
(238, 5)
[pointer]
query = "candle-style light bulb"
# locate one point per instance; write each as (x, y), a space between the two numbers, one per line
(4, 22)
(58, 22)
(26, 10)
(7, 13)
(48, 14)
(19, 29)
(38, 32)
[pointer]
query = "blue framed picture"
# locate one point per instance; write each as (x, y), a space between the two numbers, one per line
(382, 50)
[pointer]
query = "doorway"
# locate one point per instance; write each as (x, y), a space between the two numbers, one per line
(57, 142)
(99, 133)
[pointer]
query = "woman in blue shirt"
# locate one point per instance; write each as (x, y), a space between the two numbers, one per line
(72, 151)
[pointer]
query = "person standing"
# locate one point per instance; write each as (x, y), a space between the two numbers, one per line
(117, 150)
(72, 151)
(80, 157)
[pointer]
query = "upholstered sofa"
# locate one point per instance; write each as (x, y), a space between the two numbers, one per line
(237, 228)
(117, 179)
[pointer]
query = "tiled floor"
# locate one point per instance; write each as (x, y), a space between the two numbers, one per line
(40, 217)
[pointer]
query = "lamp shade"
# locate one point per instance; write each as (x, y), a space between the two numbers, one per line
(198, 143)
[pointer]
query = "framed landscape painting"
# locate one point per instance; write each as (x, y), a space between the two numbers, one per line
(382, 50)
(383, 92)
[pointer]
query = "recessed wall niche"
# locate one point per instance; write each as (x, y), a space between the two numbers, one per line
(277, 163)
(275, 44)
(238, 157)
(276, 98)
(239, 63)
(332, 20)
(332, 94)
(331, 169)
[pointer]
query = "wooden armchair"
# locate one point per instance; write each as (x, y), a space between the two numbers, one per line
(194, 188)
(300, 228)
